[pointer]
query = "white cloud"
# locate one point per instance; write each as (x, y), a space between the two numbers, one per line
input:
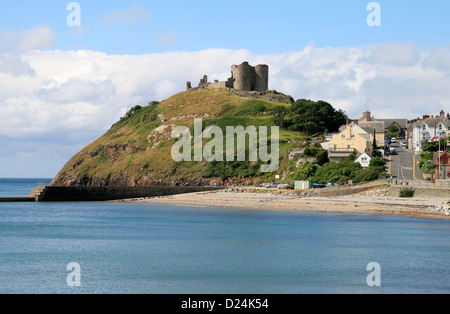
(80, 94)
(14, 43)
(168, 38)
(135, 13)
(78, 89)
(37, 37)
(394, 54)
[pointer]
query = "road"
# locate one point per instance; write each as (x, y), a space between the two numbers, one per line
(402, 164)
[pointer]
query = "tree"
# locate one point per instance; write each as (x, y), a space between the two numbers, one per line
(377, 162)
(279, 116)
(316, 117)
(434, 146)
(322, 158)
(305, 172)
(394, 129)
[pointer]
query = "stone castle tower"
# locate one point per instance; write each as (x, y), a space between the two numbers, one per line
(248, 78)
(244, 77)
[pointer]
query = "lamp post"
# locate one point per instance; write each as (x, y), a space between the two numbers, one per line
(439, 158)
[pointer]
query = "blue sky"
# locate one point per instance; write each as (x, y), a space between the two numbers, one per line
(62, 87)
(259, 26)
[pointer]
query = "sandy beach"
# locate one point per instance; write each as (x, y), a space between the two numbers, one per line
(354, 204)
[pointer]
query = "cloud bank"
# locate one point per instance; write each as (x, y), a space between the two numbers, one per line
(72, 97)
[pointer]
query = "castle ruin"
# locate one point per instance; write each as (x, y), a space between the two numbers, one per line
(244, 77)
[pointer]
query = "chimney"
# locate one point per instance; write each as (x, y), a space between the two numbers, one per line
(425, 116)
(442, 114)
(367, 115)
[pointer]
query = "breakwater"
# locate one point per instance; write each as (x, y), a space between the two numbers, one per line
(110, 193)
(16, 199)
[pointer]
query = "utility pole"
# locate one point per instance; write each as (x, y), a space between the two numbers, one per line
(439, 158)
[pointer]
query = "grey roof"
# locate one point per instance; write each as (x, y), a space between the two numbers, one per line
(433, 121)
(339, 155)
(403, 123)
(378, 125)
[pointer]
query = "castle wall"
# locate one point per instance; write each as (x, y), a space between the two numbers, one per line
(244, 77)
(261, 78)
(215, 85)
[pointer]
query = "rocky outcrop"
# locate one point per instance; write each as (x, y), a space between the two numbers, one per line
(269, 95)
(443, 207)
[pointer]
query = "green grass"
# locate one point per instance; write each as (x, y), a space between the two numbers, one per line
(252, 107)
(156, 162)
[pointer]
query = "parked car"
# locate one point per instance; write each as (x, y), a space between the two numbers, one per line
(403, 144)
(393, 140)
(331, 184)
(284, 186)
(392, 151)
(319, 186)
(272, 185)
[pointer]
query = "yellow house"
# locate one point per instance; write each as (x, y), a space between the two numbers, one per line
(378, 127)
(351, 140)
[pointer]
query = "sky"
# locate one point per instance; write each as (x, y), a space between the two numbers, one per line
(63, 85)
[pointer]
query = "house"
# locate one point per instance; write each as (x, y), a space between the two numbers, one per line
(351, 140)
(441, 162)
(401, 124)
(373, 126)
(364, 160)
(427, 128)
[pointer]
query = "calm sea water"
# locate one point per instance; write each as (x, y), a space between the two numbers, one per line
(20, 187)
(145, 248)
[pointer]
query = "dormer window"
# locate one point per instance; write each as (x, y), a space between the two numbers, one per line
(440, 127)
(424, 127)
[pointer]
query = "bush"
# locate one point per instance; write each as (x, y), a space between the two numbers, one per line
(322, 158)
(305, 172)
(406, 192)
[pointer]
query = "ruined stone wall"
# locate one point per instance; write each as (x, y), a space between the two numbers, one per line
(244, 77)
(261, 78)
(215, 85)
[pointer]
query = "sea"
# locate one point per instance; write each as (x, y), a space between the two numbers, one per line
(136, 248)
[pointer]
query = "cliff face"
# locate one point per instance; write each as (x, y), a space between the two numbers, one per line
(136, 151)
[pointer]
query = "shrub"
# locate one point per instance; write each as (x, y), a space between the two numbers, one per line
(322, 158)
(407, 192)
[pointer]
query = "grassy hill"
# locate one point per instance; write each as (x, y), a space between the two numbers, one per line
(137, 149)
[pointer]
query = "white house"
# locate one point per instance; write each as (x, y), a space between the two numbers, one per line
(364, 160)
(428, 128)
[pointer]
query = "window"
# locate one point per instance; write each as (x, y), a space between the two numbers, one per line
(440, 127)
(343, 135)
(424, 127)
(353, 135)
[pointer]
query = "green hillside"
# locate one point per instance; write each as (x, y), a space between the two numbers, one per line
(137, 149)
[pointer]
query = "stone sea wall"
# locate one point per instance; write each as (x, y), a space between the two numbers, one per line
(88, 194)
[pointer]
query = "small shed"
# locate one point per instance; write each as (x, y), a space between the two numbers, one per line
(303, 185)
